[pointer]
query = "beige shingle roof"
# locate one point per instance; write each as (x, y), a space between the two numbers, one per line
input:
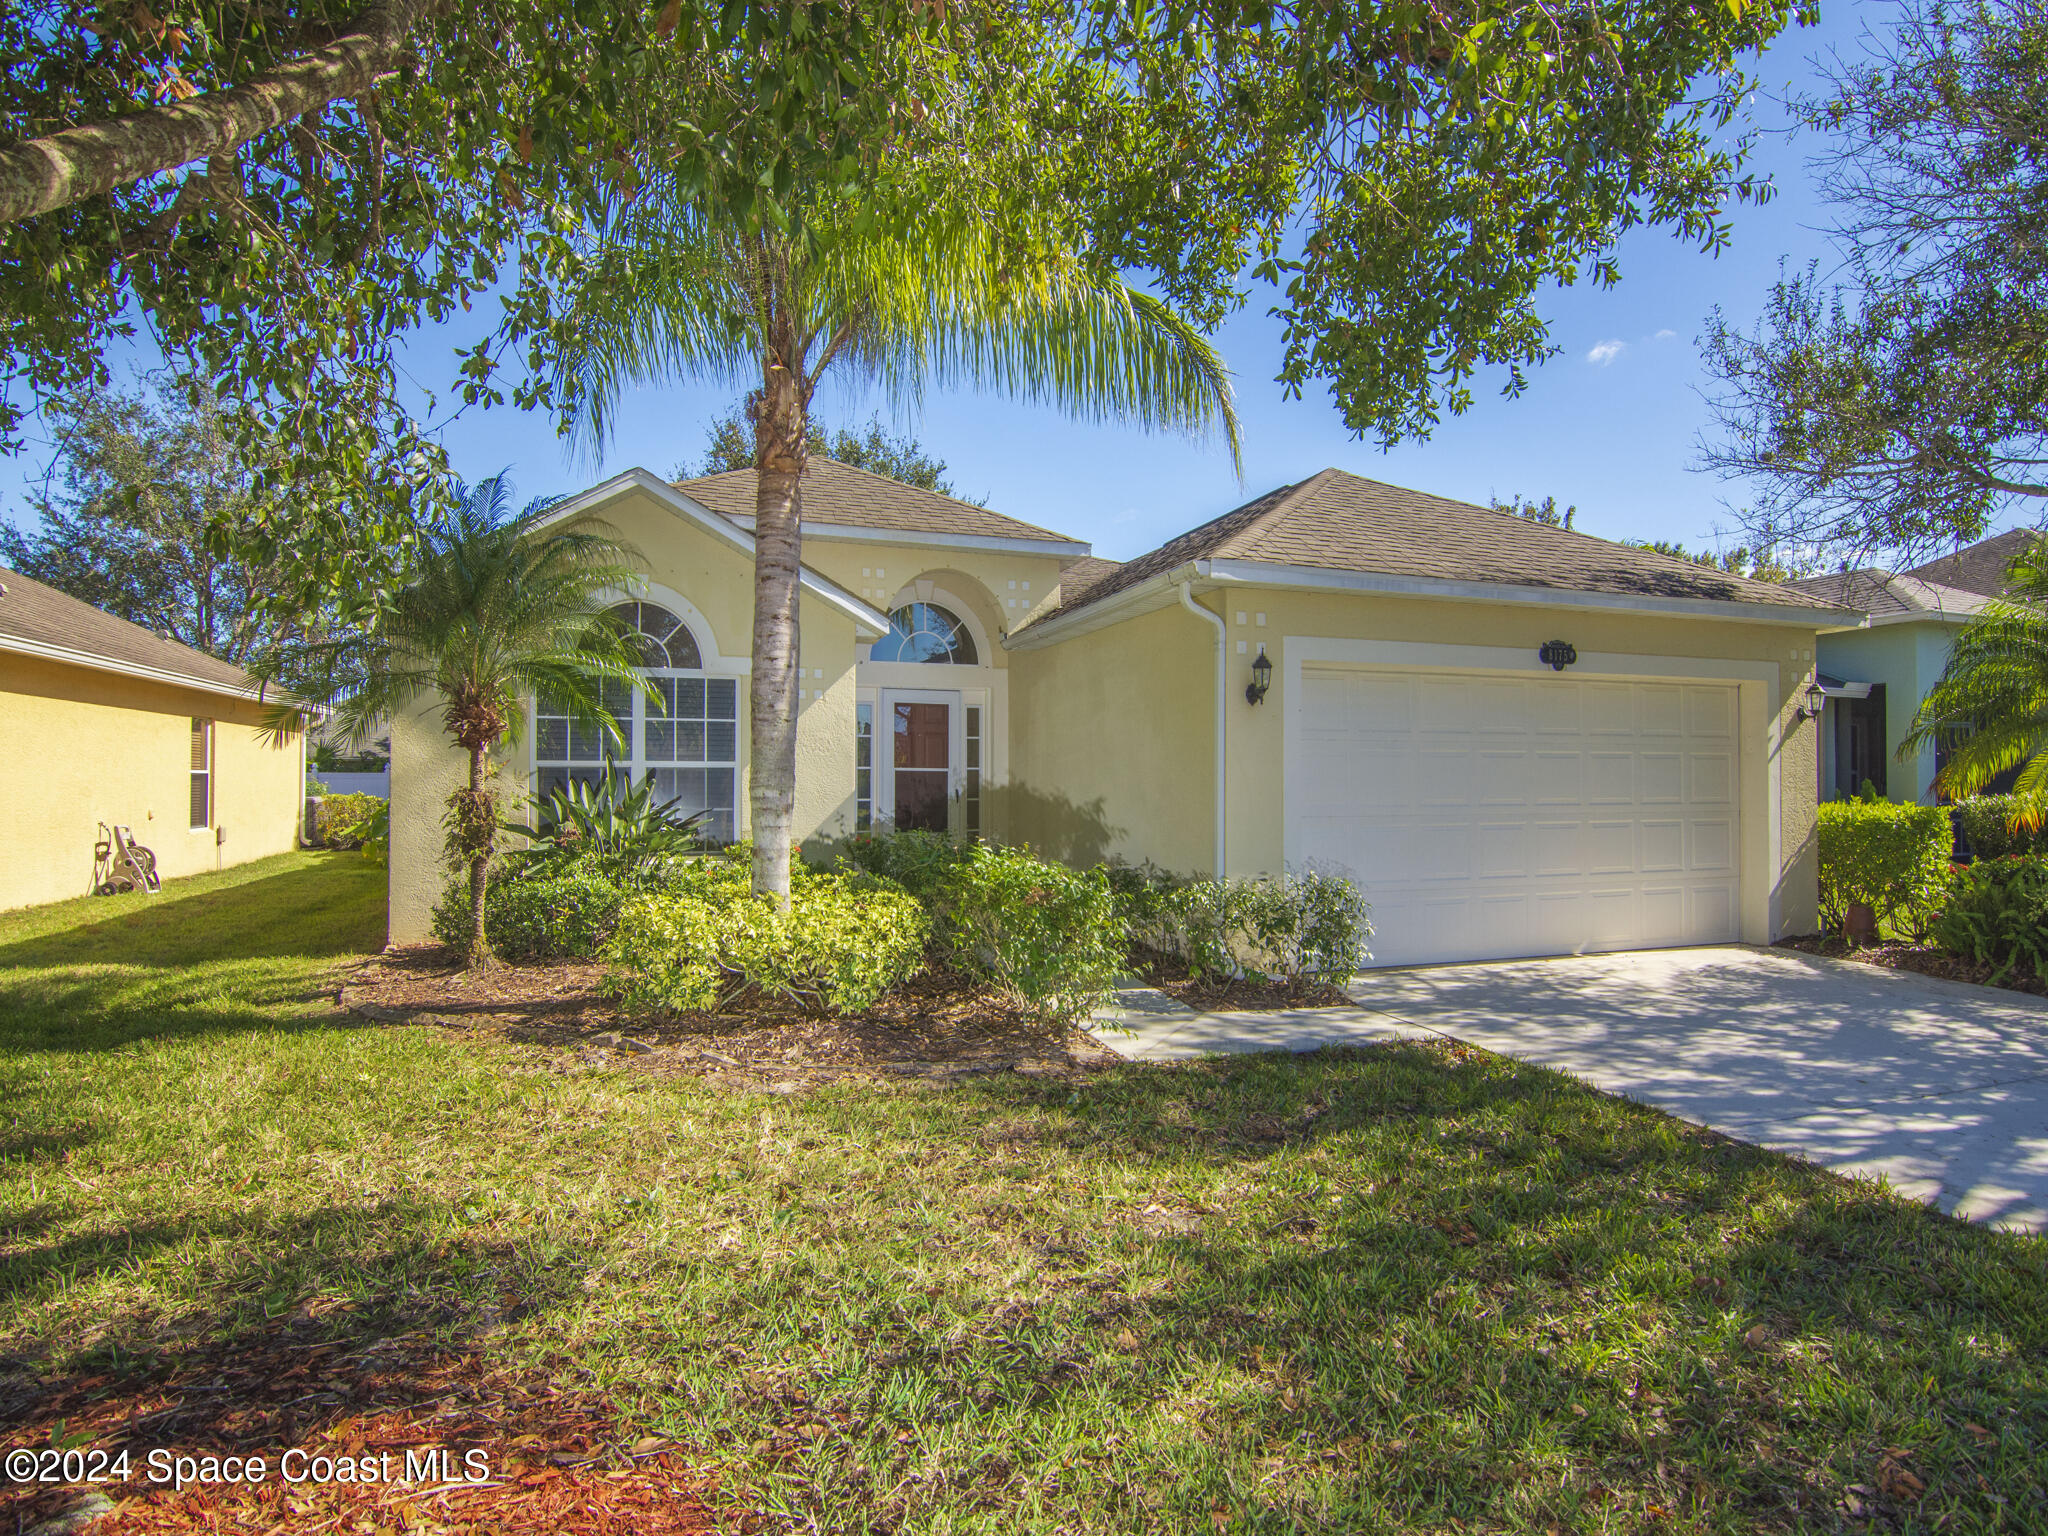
(855, 498)
(1883, 595)
(43, 616)
(1343, 522)
(1979, 567)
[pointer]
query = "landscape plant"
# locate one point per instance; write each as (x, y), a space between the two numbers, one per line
(566, 913)
(842, 943)
(1890, 857)
(502, 609)
(1996, 913)
(344, 821)
(1995, 826)
(622, 829)
(1307, 929)
(915, 859)
(1047, 935)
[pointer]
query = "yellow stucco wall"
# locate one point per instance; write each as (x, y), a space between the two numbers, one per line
(709, 583)
(95, 746)
(1117, 724)
(1002, 587)
(1112, 744)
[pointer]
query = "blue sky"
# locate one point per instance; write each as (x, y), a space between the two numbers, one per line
(1609, 425)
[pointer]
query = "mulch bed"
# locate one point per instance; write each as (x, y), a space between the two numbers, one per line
(549, 1459)
(938, 1029)
(1924, 959)
(1169, 974)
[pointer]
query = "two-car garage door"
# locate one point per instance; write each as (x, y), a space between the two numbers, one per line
(1490, 816)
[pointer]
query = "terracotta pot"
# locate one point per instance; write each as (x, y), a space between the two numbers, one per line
(1859, 923)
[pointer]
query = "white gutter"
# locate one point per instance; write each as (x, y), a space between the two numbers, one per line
(1187, 601)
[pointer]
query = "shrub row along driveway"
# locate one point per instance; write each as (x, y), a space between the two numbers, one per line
(1939, 1086)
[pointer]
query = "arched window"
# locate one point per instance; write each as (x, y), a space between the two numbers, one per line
(686, 738)
(665, 641)
(925, 632)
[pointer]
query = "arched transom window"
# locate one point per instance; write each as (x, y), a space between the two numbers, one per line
(925, 632)
(686, 738)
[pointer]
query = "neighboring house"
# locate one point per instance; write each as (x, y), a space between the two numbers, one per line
(107, 722)
(1874, 678)
(1648, 779)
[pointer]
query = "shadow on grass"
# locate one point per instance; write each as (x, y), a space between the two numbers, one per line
(314, 912)
(1449, 1288)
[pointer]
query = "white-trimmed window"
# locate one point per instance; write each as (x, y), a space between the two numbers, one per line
(863, 767)
(925, 632)
(687, 738)
(202, 775)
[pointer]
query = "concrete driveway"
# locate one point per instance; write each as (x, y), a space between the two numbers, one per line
(1939, 1086)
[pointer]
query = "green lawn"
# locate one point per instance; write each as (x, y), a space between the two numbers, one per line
(1403, 1289)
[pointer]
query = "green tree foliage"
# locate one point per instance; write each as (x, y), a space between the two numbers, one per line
(502, 609)
(1756, 564)
(1547, 512)
(730, 445)
(153, 511)
(1989, 711)
(1906, 405)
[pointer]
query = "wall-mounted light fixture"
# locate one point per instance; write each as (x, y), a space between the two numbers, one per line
(1557, 654)
(1816, 700)
(1262, 679)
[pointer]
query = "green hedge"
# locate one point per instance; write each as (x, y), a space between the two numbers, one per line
(1302, 929)
(344, 821)
(843, 944)
(1048, 935)
(1893, 858)
(1988, 826)
(564, 915)
(1997, 914)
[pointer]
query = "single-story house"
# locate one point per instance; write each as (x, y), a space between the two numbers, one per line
(1518, 739)
(112, 723)
(1875, 677)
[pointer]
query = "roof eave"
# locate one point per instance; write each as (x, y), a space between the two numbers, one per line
(43, 651)
(866, 618)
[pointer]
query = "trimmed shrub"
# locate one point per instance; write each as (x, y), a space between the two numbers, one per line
(1997, 914)
(1988, 826)
(567, 915)
(1145, 897)
(1893, 858)
(344, 821)
(1048, 935)
(1307, 929)
(845, 941)
(917, 861)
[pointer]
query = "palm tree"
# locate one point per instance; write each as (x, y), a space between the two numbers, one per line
(905, 303)
(1989, 711)
(500, 609)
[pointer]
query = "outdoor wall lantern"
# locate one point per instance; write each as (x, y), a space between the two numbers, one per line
(1816, 699)
(1262, 679)
(1557, 654)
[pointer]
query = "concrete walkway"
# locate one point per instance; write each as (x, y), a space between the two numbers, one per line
(1940, 1086)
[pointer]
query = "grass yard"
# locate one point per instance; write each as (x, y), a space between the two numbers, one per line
(1399, 1290)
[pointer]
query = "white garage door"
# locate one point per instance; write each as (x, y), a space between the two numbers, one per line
(1488, 816)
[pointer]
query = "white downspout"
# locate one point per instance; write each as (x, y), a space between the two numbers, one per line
(1187, 601)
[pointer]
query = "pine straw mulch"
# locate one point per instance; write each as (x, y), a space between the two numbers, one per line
(938, 1029)
(557, 1460)
(1924, 959)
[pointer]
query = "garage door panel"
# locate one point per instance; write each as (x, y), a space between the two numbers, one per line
(1496, 816)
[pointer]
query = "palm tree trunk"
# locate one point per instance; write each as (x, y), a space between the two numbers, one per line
(779, 431)
(479, 873)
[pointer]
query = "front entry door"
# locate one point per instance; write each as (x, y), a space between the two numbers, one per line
(923, 727)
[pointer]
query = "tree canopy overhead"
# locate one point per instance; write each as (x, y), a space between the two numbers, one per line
(1904, 403)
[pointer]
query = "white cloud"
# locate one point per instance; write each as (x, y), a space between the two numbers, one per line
(1664, 335)
(1605, 352)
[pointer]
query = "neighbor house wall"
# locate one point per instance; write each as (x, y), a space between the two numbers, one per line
(95, 746)
(709, 584)
(1113, 744)
(1908, 659)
